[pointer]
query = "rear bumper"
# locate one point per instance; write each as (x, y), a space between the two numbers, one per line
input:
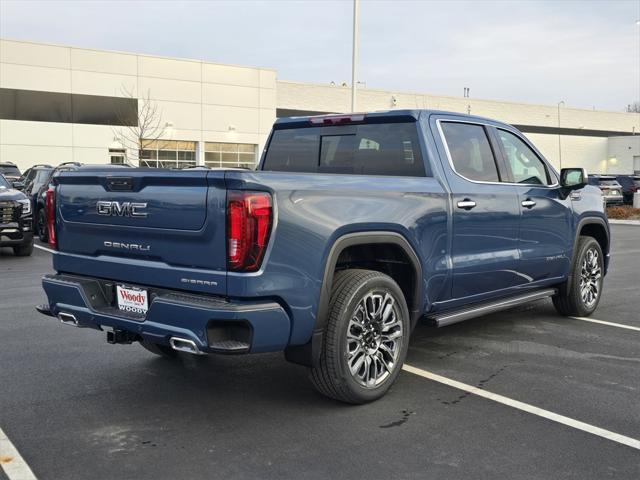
(199, 318)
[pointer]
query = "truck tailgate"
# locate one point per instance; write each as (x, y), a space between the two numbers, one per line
(134, 222)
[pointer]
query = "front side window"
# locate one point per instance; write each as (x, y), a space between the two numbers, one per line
(389, 149)
(525, 165)
(470, 151)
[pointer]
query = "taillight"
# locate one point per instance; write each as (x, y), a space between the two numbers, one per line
(249, 219)
(50, 209)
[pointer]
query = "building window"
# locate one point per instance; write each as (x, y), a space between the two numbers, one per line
(117, 156)
(234, 155)
(168, 154)
(37, 106)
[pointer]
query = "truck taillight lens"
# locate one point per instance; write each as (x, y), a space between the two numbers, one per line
(50, 209)
(249, 219)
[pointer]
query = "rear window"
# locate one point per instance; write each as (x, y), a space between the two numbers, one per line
(390, 149)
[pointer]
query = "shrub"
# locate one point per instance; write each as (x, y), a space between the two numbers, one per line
(623, 212)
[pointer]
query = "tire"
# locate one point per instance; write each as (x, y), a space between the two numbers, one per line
(383, 340)
(23, 250)
(43, 234)
(161, 350)
(588, 281)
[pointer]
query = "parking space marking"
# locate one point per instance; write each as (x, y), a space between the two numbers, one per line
(14, 466)
(610, 324)
(525, 407)
(44, 248)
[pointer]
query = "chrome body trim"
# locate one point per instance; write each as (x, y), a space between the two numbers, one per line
(510, 130)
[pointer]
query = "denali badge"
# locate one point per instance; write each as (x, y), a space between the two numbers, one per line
(121, 209)
(128, 246)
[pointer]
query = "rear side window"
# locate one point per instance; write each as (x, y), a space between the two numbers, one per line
(390, 149)
(470, 151)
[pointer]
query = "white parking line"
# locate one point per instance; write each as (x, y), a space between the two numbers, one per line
(610, 324)
(525, 407)
(14, 466)
(44, 248)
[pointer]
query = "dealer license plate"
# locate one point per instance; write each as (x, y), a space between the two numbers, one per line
(132, 299)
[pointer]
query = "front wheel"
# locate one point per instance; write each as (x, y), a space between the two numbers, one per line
(580, 296)
(366, 337)
(23, 250)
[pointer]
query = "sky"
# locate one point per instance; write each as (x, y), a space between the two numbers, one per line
(586, 53)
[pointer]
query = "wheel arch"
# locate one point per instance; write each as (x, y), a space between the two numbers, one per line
(309, 353)
(597, 228)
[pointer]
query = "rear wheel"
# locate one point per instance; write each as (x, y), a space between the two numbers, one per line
(42, 226)
(161, 350)
(581, 296)
(366, 338)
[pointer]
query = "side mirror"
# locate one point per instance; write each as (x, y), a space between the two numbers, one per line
(573, 178)
(18, 185)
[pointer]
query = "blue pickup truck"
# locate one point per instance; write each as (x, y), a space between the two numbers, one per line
(350, 230)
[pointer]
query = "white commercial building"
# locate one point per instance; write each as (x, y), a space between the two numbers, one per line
(60, 104)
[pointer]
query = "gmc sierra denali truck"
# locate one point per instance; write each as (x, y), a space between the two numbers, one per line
(351, 229)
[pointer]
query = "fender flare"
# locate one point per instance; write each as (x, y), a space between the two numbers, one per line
(309, 353)
(586, 221)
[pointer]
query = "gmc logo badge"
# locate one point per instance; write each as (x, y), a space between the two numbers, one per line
(121, 209)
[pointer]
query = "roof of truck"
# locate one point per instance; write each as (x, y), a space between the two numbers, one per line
(382, 116)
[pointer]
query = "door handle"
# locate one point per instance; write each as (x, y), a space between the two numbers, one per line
(466, 204)
(528, 203)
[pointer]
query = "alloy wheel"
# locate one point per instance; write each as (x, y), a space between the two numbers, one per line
(590, 277)
(374, 339)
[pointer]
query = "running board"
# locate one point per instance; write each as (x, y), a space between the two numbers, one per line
(455, 316)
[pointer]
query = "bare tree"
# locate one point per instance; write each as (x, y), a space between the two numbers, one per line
(148, 131)
(633, 107)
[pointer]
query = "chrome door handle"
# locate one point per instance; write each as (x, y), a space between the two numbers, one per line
(528, 203)
(466, 204)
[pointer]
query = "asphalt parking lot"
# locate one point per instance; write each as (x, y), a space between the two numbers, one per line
(75, 407)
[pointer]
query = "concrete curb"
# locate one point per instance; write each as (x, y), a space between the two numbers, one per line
(625, 222)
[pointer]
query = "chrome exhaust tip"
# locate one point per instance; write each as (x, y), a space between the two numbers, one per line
(68, 319)
(184, 345)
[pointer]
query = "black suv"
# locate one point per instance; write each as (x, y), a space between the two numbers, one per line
(39, 197)
(33, 179)
(16, 220)
(10, 171)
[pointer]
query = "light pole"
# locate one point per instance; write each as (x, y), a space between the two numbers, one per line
(354, 56)
(561, 102)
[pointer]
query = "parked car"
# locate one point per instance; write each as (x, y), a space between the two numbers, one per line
(630, 185)
(33, 179)
(352, 228)
(16, 220)
(29, 174)
(611, 189)
(10, 171)
(39, 196)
